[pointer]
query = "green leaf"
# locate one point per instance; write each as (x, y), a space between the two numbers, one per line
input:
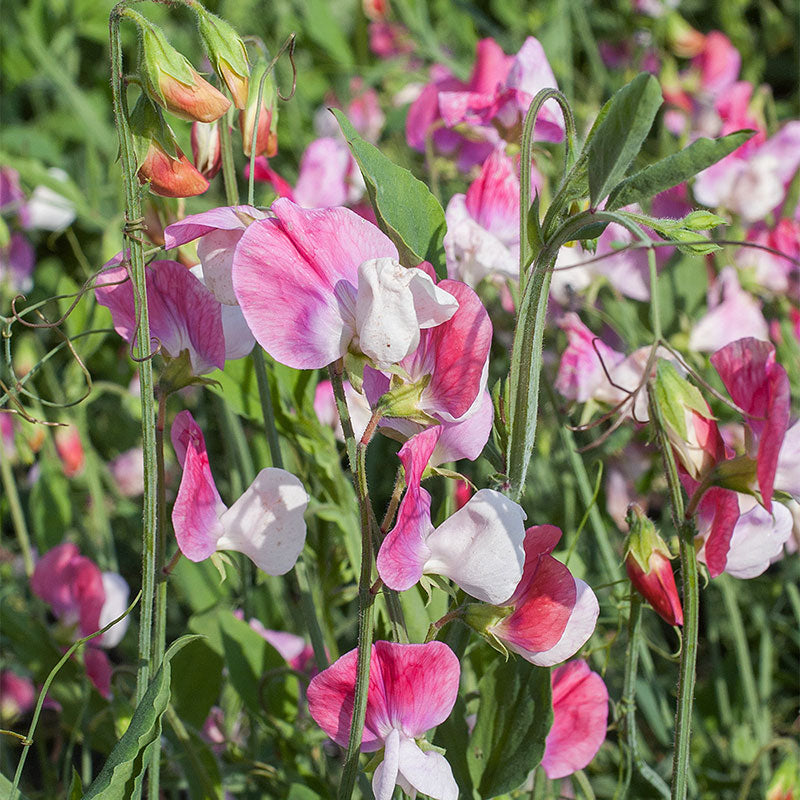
(514, 718)
(674, 169)
(75, 787)
(196, 682)
(5, 789)
(196, 761)
(298, 792)
(50, 506)
(407, 212)
(620, 135)
(121, 775)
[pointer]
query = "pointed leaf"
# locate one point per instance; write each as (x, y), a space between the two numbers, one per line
(620, 135)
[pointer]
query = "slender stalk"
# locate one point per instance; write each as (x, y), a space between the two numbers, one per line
(133, 217)
(228, 166)
(267, 410)
(17, 515)
(160, 615)
(357, 457)
(691, 609)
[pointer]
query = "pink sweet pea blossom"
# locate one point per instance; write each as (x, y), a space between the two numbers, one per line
(266, 523)
(314, 284)
(127, 469)
(580, 717)
(70, 450)
(17, 260)
(760, 387)
(17, 695)
(553, 613)
(294, 649)
(412, 688)
(776, 273)
(733, 314)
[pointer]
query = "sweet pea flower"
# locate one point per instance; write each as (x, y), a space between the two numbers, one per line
(184, 314)
(733, 314)
(357, 405)
(219, 231)
(294, 649)
(412, 688)
(17, 260)
(315, 284)
(580, 718)
(70, 450)
(17, 695)
(551, 614)
(266, 523)
(776, 273)
(127, 469)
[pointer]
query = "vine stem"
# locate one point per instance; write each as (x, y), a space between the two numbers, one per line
(133, 212)
(17, 515)
(691, 609)
(357, 457)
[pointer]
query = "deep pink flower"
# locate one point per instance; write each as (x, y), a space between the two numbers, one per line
(17, 260)
(70, 450)
(776, 273)
(314, 284)
(554, 613)
(760, 387)
(266, 523)
(412, 688)
(718, 63)
(580, 718)
(17, 695)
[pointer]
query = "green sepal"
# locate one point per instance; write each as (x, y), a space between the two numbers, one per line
(147, 124)
(643, 539)
(482, 616)
(178, 374)
(222, 43)
(674, 394)
(739, 474)
(157, 55)
(402, 401)
(220, 561)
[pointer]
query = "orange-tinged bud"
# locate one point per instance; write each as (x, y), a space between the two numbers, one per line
(647, 562)
(206, 148)
(227, 53)
(267, 132)
(170, 176)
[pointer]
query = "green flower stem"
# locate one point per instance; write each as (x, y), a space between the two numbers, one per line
(17, 515)
(228, 166)
(357, 457)
(267, 410)
(133, 216)
(691, 609)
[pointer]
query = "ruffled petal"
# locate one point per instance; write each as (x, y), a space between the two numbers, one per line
(428, 773)
(385, 778)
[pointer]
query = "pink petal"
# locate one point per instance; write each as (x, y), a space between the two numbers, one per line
(98, 668)
(86, 582)
(198, 506)
(719, 63)
(467, 437)
(580, 718)
(266, 523)
(292, 274)
(404, 551)
(265, 174)
(322, 180)
(480, 547)
(226, 218)
(424, 111)
(787, 475)
(17, 695)
(717, 515)
(292, 648)
(50, 579)
(493, 198)
(491, 66)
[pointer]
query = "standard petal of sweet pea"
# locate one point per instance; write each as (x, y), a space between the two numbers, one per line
(493, 198)
(580, 719)
(86, 583)
(480, 547)
(322, 179)
(392, 304)
(266, 523)
(428, 773)
(295, 278)
(404, 551)
(225, 218)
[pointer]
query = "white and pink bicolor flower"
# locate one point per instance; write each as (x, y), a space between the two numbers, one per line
(266, 523)
(314, 284)
(412, 688)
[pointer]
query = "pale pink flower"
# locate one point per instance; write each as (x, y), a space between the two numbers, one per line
(127, 470)
(580, 718)
(357, 405)
(776, 273)
(412, 688)
(266, 523)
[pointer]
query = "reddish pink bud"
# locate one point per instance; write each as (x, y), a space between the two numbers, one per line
(206, 149)
(266, 134)
(463, 493)
(649, 568)
(70, 450)
(168, 176)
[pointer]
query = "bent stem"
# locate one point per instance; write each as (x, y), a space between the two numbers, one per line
(691, 609)
(357, 457)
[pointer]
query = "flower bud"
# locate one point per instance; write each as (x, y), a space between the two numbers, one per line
(267, 136)
(785, 783)
(227, 53)
(647, 562)
(206, 148)
(173, 83)
(690, 425)
(161, 162)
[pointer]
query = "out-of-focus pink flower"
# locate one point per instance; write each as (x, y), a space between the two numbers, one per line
(266, 523)
(206, 148)
(70, 450)
(412, 688)
(553, 613)
(294, 649)
(787, 474)
(17, 260)
(581, 371)
(733, 314)
(17, 695)
(184, 314)
(718, 63)
(580, 718)
(219, 231)
(760, 387)
(357, 405)
(127, 470)
(314, 284)
(776, 273)
(389, 40)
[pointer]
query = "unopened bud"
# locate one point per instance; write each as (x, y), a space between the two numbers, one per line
(227, 54)
(266, 137)
(173, 83)
(702, 221)
(647, 562)
(206, 148)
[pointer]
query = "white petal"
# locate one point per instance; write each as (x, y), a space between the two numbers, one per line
(385, 778)
(480, 547)
(239, 340)
(429, 773)
(433, 305)
(215, 251)
(787, 475)
(758, 538)
(117, 594)
(266, 523)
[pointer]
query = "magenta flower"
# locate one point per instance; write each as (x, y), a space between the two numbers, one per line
(17, 695)
(294, 649)
(266, 523)
(580, 717)
(553, 613)
(777, 274)
(314, 284)
(412, 688)
(760, 387)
